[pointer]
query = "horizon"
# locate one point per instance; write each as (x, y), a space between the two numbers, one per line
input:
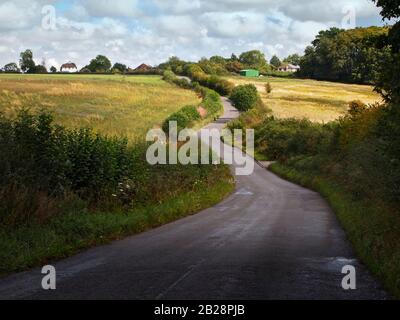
(134, 32)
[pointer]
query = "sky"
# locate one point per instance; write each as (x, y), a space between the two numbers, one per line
(150, 31)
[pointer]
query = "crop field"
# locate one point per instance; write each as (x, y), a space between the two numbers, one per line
(318, 101)
(110, 104)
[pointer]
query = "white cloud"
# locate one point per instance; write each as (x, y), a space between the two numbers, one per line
(137, 31)
(113, 8)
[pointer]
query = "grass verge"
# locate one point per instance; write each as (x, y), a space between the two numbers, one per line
(372, 228)
(34, 245)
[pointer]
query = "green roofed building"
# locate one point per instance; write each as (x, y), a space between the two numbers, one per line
(249, 73)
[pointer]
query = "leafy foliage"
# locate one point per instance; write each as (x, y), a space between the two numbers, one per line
(99, 64)
(275, 61)
(244, 97)
(346, 55)
(26, 61)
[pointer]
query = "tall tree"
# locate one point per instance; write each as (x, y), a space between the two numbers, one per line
(120, 67)
(293, 59)
(26, 61)
(253, 59)
(275, 61)
(389, 79)
(99, 64)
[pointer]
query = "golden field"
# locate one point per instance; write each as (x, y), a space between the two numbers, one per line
(318, 101)
(110, 104)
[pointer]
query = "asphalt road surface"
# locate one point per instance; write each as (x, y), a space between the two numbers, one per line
(270, 239)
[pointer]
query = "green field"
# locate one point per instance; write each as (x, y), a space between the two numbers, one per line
(318, 101)
(110, 104)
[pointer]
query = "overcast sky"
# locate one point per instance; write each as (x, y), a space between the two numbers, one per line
(150, 31)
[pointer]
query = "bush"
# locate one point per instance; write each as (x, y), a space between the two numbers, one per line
(268, 88)
(49, 161)
(280, 139)
(244, 97)
(222, 86)
(185, 118)
(168, 76)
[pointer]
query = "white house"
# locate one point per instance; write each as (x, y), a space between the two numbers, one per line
(288, 68)
(69, 67)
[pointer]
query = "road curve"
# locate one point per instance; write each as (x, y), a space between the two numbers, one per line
(270, 239)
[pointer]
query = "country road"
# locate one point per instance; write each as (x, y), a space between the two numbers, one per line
(270, 239)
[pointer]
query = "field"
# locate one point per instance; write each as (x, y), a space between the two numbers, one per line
(317, 101)
(110, 104)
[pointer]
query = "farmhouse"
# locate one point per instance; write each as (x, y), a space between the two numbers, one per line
(249, 73)
(288, 68)
(143, 67)
(69, 67)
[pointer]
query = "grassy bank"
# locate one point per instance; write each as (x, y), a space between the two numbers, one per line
(64, 188)
(34, 245)
(371, 225)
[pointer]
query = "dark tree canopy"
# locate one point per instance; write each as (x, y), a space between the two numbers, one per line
(26, 61)
(253, 59)
(99, 64)
(346, 55)
(390, 8)
(293, 59)
(275, 61)
(120, 67)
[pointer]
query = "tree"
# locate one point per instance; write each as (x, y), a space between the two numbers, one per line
(11, 67)
(275, 61)
(293, 59)
(345, 55)
(99, 64)
(120, 67)
(234, 57)
(53, 69)
(218, 60)
(253, 59)
(388, 83)
(38, 69)
(390, 8)
(26, 61)
(234, 66)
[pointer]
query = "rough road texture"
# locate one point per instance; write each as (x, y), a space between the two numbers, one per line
(271, 239)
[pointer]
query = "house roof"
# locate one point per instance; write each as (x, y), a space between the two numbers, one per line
(143, 66)
(290, 66)
(69, 65)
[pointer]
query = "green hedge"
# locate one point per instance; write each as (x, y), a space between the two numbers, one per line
(244, 97)
(188, 115)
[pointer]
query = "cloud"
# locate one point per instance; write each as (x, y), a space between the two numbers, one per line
(113, 8)
(137, 31)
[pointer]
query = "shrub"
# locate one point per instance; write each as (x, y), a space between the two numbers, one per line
(168, 76)
(45, 161)
(244, 97)
(280, 139)
(185, 118)
(268, 88)
(222, 86)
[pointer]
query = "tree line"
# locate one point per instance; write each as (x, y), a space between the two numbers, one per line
(100, 64)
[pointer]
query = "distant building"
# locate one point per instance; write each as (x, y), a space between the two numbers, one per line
(287, 67)
(69, 67)
(249, 73)
(143, 67)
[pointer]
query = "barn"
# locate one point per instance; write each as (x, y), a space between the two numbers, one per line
(249, 73)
